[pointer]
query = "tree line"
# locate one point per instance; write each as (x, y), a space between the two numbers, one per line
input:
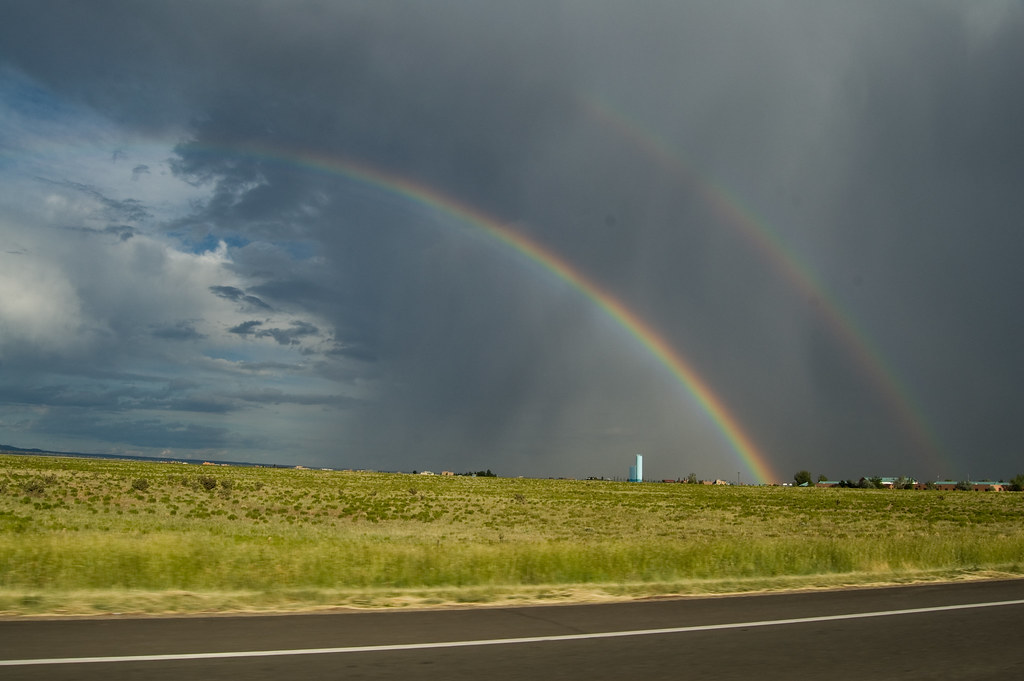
(804, 477)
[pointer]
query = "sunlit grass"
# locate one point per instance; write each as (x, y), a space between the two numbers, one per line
(216, 538)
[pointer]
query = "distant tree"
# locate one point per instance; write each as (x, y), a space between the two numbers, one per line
(930, 484)
(876, 482)
(692, 478)
(822, 477)
(903, 482)
(963, 485)
(802, 476)
(1017, 483)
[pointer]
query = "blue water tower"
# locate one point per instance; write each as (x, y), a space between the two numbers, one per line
(636, 472)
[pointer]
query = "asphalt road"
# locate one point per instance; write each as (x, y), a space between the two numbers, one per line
(914, 634)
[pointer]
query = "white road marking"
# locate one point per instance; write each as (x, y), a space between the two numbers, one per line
(500, 641)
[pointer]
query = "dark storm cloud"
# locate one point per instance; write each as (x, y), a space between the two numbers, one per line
(273, 396)
(878, 143)
(122, 232)
(287, 336)
(115, 209)
(246, 328)
(199, 404)
(239, 296)
(139, 170)
(290, 335)
(267, 366)
(57, 395)
(165, 396)
(118, 399)
(148, 432)
(180, 331)
(353, 352)
(299, 288)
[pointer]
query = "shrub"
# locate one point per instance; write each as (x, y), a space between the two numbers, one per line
(34, 488)
(207, 482)
(141, 484)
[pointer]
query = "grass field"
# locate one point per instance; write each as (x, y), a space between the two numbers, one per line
(94, 536)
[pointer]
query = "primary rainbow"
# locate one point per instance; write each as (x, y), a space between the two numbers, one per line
(755, 460)
(788, 264)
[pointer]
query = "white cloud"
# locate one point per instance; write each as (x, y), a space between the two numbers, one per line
(38, 305)
(88, 272)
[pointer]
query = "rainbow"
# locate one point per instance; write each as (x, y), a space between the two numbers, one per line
(727, 423)
(772, 249)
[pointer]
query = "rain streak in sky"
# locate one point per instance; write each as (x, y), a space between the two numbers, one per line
(740, 238)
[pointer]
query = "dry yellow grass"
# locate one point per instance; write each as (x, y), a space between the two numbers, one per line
(92, 536)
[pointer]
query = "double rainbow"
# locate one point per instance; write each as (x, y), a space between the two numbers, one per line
(789, 266)
(418, 193)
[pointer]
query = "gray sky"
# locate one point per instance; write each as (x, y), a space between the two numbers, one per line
(816, 206)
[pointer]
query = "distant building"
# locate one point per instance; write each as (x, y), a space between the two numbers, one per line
(889, 483)
(975, 485)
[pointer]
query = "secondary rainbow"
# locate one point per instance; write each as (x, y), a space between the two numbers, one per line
(755, 460)
(788, 264)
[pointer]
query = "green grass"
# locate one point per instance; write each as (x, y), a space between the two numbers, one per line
(80, 535)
